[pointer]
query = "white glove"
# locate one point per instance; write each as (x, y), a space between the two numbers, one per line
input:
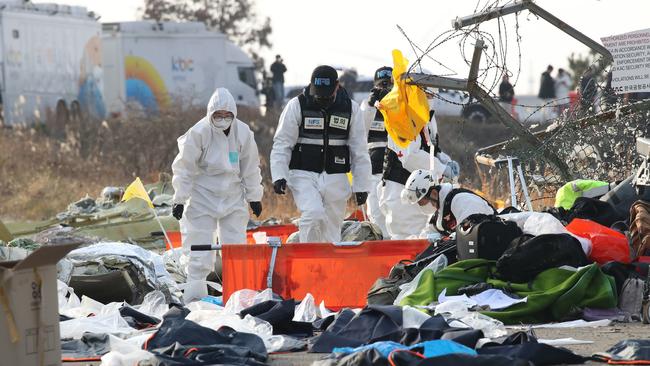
(452, 170)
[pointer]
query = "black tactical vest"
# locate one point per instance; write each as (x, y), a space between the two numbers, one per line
(323, 135)
(377, 140)
(393, 169)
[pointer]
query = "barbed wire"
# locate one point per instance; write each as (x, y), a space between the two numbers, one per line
(601, 149)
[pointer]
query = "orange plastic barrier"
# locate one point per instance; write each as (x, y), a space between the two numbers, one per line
(339, 275)
(606, 244)
(175, 238)
(283, 231)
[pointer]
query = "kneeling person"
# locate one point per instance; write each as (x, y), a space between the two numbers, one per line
(447, 205)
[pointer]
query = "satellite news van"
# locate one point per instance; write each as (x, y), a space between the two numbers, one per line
(152, 66)
(50, 62)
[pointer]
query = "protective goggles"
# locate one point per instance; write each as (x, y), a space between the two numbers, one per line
(384, 74)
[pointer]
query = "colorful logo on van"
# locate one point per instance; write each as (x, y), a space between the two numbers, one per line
(182, 64)
(144, 85)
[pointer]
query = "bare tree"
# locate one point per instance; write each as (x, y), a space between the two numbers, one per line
(236, 19)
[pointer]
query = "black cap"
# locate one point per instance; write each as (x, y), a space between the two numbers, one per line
(384, 73)
(323, 81)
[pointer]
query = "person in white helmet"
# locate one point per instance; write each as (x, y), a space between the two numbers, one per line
(447, 206)
(377, 142)
(321, 137)
(216, 172)
(402, 219)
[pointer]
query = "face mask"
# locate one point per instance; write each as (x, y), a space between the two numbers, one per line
(221, 123)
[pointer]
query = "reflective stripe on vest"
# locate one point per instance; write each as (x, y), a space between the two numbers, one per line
(304, 140)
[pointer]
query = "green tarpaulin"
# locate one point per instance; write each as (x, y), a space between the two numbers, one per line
(553, 295)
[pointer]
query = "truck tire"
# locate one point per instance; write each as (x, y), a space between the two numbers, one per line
(476, 113)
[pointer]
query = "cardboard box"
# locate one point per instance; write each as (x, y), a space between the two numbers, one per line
(29, 324)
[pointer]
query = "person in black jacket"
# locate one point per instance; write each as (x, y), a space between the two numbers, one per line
(278, 69)
(506, 91)
(547, 84)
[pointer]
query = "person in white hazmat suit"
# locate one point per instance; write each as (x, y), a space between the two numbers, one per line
(404, 220)
(447, 206)
(321, 137)
(216, 171)
(377, 142)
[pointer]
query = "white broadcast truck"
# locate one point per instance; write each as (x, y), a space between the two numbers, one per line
(50, 62)
(151, 66)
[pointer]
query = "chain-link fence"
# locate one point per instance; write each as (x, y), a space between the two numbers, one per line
(592, 145)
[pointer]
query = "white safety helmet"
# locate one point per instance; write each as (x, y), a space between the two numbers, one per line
(417, 186)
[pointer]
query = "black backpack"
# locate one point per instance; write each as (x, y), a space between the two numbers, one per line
(485, 236)
(385, 290)
(530, 255)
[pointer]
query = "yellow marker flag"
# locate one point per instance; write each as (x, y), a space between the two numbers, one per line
(405, 108)
(137, 190)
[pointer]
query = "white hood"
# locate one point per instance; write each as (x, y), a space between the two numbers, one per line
(222, 100)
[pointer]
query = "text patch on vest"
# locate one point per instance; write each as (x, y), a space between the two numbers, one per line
(339, 160)
(314, 123)
(377, 126)
(339, 122)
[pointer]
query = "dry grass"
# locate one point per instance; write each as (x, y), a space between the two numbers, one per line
(40, 174)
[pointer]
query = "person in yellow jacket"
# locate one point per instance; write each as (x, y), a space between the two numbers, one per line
(568, 193)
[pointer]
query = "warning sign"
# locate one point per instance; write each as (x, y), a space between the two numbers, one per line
(631, 52)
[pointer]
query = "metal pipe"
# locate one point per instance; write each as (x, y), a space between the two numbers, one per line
(459, 22)
(511, 176)
(434, 81)
(529, 5)
(564, 27)
(524, 187)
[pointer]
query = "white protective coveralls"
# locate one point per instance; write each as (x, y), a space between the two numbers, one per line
(404, 220)
(462, 205)
(375, 215)
(321, 198)
(214, 177)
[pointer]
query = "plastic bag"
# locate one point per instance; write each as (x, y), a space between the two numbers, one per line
(405, 108)
(306, 311)
(283, 343)
(249, 324)
(406, 289)
(457, 315)
(112, 323)
(154, 304)
(324, 312)
(244, 299)
(128, 352)
(413, 318)
(67, 298)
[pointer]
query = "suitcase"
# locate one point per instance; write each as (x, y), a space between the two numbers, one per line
(485, 237)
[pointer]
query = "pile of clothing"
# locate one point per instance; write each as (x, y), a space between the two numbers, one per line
(252, 325)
